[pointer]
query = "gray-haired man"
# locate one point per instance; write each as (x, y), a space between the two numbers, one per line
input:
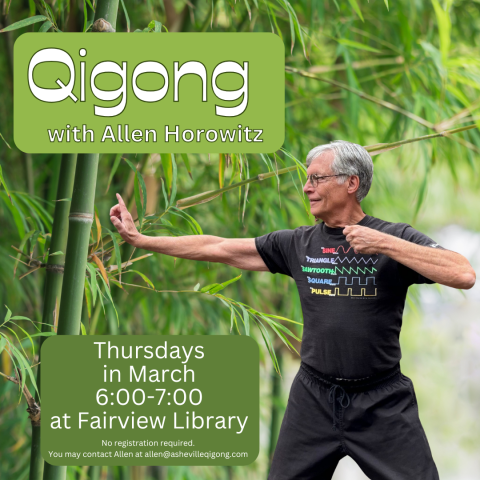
(352, 272)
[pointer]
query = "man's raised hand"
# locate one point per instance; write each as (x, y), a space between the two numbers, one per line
(365, 240)
(123, 221)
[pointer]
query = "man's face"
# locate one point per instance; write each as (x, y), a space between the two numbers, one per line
(328, 196)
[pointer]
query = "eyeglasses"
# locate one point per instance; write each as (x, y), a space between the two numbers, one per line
(315, 179)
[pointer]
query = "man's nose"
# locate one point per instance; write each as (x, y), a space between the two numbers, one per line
(308, 186)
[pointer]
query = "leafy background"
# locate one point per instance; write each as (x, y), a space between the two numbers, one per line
(383, 72)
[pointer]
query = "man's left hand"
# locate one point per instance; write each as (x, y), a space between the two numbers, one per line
(363, 239)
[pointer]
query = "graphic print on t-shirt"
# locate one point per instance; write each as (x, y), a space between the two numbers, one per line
(346, 335)
(344, 279)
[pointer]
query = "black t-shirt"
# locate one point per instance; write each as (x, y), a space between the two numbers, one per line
(352, 303)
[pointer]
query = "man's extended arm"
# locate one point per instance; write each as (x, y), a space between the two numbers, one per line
(237, 252)
(442, 266)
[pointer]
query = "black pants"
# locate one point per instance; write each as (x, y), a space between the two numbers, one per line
(375, 422)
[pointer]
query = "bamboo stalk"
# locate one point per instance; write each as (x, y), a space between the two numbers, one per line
(372, 149)
(80, 220)
(53, 284)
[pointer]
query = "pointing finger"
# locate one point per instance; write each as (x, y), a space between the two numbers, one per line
(120, 200)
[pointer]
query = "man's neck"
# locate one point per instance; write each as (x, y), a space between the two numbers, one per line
(344, 218)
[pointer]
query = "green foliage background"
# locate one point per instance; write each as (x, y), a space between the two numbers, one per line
(420, 56)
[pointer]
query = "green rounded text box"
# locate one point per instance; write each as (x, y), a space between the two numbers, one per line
(194, 402)
(149, 93)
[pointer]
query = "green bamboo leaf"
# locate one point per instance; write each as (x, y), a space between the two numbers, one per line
(18, 340)
(144, 277)
(360, 46)
(269, 17)
(18, 217)
(167, 169)
(45, 27)
(24, 23)
(221, 286)
(444, 29)
(249, 12)
(19, 366)
(246, 320)
(6, 143)
(93, 282)
(43, 334)
(126, 15)
(85, 16)
(247, 188)
(18, 355)
(144, 193)
(176, 232)
(356, 7)
(8, 316)
(19, 317)
(208, 287)
(164, 191)
(283, 338)
(268, 343)
(291, 23)
(279, 326)
(113, 170)
(155, 26)
(297, 26)
(138, 200)
(173, 189)
(221, 170)
(20, 247)
(27, 336)
(281, 318)
(33, 241)
(194, 225)
(33, 204)
(82, 327)
(109, 295)
(3, 343)
(26, 367)
(2, 182)
(196, 287)
(232, 317)
(130, 164)
(118, 257)
(386, 3)
(88, 298)
(187, 164)
(272, 13)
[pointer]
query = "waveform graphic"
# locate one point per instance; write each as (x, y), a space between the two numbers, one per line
(358, 260)
(359, 287)
(356, 281)
(355, 270)
(336, 250)
(343, 248)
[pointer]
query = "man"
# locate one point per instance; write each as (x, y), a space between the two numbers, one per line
(352, 272)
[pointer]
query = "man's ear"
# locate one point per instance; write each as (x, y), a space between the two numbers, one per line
(353, 183)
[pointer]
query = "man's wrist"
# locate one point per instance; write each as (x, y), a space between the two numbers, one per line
(388, 244)
(139, 241)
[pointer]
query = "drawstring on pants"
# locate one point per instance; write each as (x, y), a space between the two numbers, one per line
(332, 397)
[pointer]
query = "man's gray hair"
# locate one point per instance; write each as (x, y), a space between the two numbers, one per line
(349, 158)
